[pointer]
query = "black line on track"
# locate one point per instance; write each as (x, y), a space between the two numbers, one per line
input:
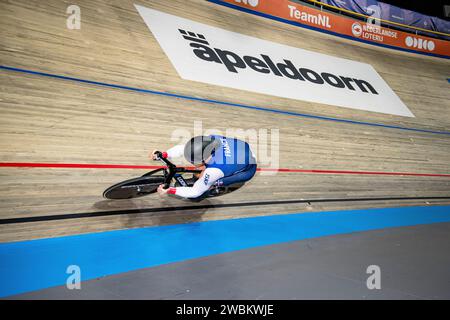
(205, 206)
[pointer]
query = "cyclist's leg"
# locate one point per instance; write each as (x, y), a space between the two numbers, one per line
(229, 183)
(239, 177)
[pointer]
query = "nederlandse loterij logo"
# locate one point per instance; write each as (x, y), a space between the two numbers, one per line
(264, 64)
(372, 32)
(356, 29)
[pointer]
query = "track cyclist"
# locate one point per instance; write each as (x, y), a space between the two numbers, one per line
(224, 162)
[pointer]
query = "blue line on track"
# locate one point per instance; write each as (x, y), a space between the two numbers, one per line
(298, 24)
(290, 113)
(37, 264)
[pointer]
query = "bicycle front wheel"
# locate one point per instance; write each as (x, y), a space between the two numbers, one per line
(134, 188)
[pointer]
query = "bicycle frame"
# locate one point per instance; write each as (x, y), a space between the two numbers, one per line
(170, 171)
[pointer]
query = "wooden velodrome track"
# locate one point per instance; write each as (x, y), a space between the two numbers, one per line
(56, 121)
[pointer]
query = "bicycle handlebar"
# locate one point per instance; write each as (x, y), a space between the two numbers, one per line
(166, 161)
(171, 169)
(170, 166)
(158, 155)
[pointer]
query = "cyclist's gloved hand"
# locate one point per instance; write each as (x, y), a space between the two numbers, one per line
(156, 155)
(162, 191)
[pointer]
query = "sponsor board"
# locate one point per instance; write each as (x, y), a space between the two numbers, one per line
(346, 26)
(203, 53)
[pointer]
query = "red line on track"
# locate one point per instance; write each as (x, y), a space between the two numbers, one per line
(76, 165)
(360, 172)
(123, 166)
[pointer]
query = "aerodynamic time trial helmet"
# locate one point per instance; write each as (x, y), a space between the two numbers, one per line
(200, 148)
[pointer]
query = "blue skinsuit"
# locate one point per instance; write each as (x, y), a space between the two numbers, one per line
(235, 159)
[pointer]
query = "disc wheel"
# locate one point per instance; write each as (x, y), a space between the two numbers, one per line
(134, 188)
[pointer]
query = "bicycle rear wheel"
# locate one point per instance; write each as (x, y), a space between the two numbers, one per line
(134, 188)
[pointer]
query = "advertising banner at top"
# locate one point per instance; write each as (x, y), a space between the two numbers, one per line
(346, 26)
(392, 13)
(212, 55)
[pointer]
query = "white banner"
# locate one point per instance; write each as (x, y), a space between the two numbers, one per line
(216, 56)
